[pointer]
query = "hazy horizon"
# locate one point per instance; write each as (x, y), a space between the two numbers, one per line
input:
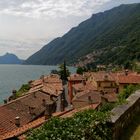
(27, 25)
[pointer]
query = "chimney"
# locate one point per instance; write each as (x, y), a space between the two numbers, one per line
(34, 95)
(42, 78)
(89, 100)
(62, 104)
(56, 92)
(32, 110)
(29, 82)
(103, 100)
(44, 102)
(17, 121)
(126, 72)
(84, 82)
(51, 98)
(48, 111)
(102, 92)
(106, 77)
(14, 92)
(5, 101)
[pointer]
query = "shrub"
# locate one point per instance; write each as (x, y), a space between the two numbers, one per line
(87, 125)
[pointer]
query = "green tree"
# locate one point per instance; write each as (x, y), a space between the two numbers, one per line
(125, 93)
(86, 125)
(79, 70)
(127, 65)
(64, 71)
(136, 66)
(24, 88)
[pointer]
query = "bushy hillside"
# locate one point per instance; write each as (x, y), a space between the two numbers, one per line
(116, 33)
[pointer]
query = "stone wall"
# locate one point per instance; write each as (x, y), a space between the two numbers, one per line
(122, 116)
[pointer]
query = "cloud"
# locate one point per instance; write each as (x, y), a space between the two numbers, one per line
(22, 49)
(49, 8)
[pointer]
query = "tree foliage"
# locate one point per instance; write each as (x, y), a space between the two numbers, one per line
(24, 88)
(64, 71)
(114, 33)
(87, 125)
(126, 92)
(81, 70)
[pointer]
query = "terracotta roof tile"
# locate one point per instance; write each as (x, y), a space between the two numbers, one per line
(81, 99)
(76, 77)
(71, 113)
(53, 89)
(87, 86)
(111, 97)
(36, 88)
(102, 76)
(128, 79)
(20, 108)
(36, 82)
(87, 74)
(53, 78)
(52, 84)
(34, 124)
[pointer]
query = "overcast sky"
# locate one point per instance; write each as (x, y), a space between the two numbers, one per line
(27, 25)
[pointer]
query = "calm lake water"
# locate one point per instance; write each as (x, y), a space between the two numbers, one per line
(13, 76)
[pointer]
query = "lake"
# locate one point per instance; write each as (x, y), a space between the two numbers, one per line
(13, 76)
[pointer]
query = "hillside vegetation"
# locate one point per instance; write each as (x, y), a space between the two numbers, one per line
(114, 35)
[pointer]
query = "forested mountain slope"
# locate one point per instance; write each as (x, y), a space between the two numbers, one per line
(115, 33)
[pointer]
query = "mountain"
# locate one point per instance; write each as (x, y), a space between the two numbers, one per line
(10, 59)
(112, 36)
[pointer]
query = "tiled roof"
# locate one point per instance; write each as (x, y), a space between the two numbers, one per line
(81, 99)
(128, 72)
(78, 87)
(20, 107)
(83, 96)
(34, 124)
(87, 74)
(53, 89)
(102, 76)
(33, 101)
(119, 77)
(111, 97)
(53, 78)
(76, 77)
(36, 88)
(128, 79)
(71, 113)
(19, 132)
(86, 86)
(52, 84)
(36, 82)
